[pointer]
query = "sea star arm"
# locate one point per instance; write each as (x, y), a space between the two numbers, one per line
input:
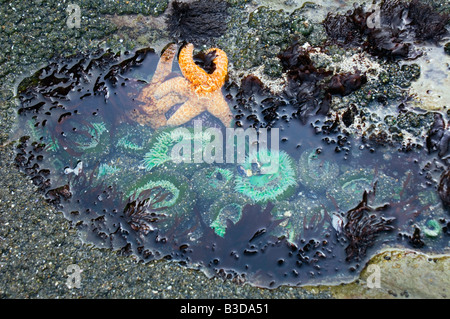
(149, 117)
(157, 120)
(146, 94)
(168, 101)
(186, 112)
(164, 66)
(203, 82)
(220, 109)
(178, 85)
(163, 69)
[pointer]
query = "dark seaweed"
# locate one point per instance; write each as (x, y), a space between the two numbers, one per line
(255, 105)
(444, 187)
(346, 83)
(141, 211)
(347, 29)
(349, 115)
(363, 227)
(205, 61)
(428, 24)
(415, 239)
(198, 21)
(402, 24)
(251, 85)
(309, 88)
(304, 89)
(438, 137)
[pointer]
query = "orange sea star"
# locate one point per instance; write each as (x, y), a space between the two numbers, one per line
(197, 90)
(149, 113)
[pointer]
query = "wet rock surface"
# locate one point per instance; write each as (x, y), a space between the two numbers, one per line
(36, 244)
(396, 268)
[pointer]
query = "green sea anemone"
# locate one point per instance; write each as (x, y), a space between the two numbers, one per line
(231, 212)
(276, 184)
(350, 186)
(302, 217)
(432, 229)
(89, 139)
(96, 138)
(161, 147)
(132, 139)
(106, 169)
(228, 207)
(212, 182)
(41, 134)
(179, 200)
(315, 171)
